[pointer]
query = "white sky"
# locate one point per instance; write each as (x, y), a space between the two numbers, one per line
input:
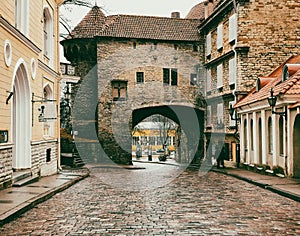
(133, 7)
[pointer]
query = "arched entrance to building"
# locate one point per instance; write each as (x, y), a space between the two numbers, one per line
(296, 146)
(21, 123)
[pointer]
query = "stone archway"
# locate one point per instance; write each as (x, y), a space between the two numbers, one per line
(21, 123)
(296, 147)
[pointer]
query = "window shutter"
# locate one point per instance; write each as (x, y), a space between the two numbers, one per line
(208, 44)
(220, 76)
(232, 71)
(232, 28)
(220, 36)
(220, 113)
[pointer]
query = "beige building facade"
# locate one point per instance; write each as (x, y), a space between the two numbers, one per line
(29, 88)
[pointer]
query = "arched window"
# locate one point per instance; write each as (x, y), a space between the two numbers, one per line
(48, 34)
(251, 135)
(281, 135)
(270, 135)
(49, 108)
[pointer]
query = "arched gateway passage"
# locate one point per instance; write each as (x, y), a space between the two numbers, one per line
(189, 142)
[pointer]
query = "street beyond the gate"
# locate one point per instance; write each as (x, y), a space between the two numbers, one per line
(190, 203)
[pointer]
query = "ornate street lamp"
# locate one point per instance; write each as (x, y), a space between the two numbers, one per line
(236, 134)
(272, 102)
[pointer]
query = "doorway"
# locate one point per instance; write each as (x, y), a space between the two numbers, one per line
(21, 124)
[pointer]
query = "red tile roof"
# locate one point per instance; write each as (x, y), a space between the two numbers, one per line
(136, 27)
(197, 12)
(291, 86)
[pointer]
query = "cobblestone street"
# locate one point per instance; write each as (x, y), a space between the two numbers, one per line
(188, 204)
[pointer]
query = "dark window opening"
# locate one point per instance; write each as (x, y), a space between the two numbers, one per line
(166, 76)
(195, 48)
(281, 133)
(174, 77)
(139, 77)
(170, 76)
(175, 46)
(134, 45)
(48, 155)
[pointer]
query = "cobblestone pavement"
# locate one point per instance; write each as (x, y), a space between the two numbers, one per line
(188, 204)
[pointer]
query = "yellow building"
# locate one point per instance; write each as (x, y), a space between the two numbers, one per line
(29, 88)
(153, 135)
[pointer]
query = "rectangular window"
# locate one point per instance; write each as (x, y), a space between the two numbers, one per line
(170, 76)
(174, 77)
(233, 28)
(220, 37)
(232, 71)
(220, 113)
(208, 116)
(208, 44)
(22, 16)
(220, 76)
(139, 77)
(193, 79)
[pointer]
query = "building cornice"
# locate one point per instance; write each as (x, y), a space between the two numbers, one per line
(17, 34)
(223, 7)
(218, 59)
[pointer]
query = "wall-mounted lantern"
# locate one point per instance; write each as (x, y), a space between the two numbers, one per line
(272, 102)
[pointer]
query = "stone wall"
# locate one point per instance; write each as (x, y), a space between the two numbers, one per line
(271, 30)
(119, 61)
(5, 166)
(40, 165)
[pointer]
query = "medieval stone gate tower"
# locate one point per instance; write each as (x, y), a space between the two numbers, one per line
(132, 67)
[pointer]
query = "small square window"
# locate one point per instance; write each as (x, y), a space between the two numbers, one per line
(139, 77)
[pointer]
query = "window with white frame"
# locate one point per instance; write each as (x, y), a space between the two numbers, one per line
(232, 71)
(220, 36)
(208, 80)
(22, 16)
(220, 113)
(220, 76)
(48, 33)
(208, 116)
(232, 122)
(208, 44)
(233, 28)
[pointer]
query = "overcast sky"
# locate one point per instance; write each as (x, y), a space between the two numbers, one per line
(133, 7)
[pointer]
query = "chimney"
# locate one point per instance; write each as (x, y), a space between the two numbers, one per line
(175, 15)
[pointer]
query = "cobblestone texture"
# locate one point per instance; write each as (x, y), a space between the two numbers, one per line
(191, 204)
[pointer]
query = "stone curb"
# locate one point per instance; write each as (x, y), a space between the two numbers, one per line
(271, 188)
(25, 206)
